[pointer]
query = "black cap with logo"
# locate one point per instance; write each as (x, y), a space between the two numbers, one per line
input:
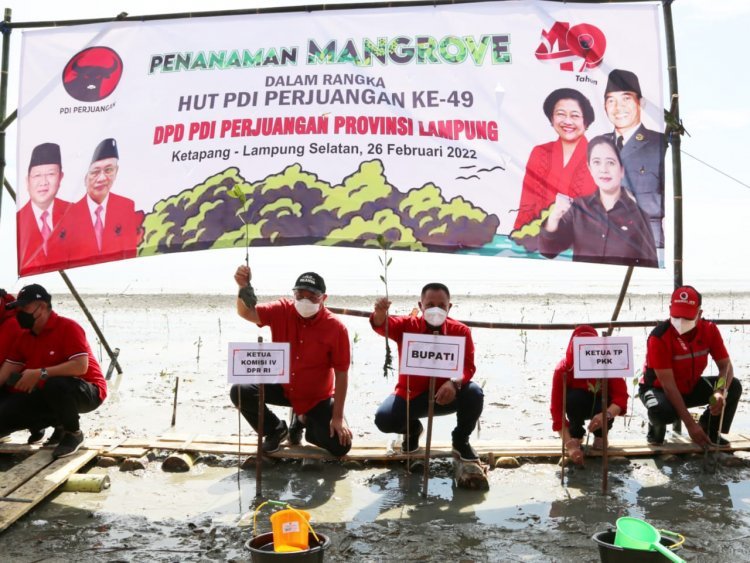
(311, 281)
(29, 294)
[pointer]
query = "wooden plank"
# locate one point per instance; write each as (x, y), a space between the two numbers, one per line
(44, 483)
(19, 474)
(376, 451)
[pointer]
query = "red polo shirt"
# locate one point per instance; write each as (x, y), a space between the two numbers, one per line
(397, 326)
(9, 332)
(318, 346)
(686, 355)
(60, 340)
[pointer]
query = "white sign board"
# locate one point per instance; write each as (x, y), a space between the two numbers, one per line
(432, 355)
(258, 362)
(607, 357)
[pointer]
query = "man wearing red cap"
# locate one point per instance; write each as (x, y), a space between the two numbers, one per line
(103, 225)
(677, 354)
(54, 370)
(41, 238)
(320, 354)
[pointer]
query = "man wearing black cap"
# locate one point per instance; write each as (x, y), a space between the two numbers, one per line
(641, 150)
(41, 239)
(52, 373)
(104, 226)
(319, 355)
(676, 357)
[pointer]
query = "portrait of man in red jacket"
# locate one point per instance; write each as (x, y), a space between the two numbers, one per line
(104, 225)
(41, 238)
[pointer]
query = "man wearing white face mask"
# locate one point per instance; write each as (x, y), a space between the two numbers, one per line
(677, 354)
(320, 354)
(461, 396)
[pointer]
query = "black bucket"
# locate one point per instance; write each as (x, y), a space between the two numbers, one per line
(261, 550)
(611, 553)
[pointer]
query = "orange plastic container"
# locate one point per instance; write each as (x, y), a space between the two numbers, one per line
(290, 530)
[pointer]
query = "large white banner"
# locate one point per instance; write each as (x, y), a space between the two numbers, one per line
(526, 129)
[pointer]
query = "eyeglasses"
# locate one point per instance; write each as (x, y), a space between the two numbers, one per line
(108, 171)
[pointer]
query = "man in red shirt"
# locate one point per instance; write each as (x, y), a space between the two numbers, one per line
(9, 331)
(677, 354)
(319, 353)
(461, 396)
(54, 371)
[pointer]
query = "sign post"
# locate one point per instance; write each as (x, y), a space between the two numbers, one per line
(257, 364)
(603, 358)
(431, 355)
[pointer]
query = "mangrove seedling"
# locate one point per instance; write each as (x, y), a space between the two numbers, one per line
(385, 261)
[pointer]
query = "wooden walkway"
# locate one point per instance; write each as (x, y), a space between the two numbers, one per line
(26, 484)
(138, 447)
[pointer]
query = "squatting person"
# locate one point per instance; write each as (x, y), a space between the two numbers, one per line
(57, 376)
(461, 396)
(676, 357)
(583, 401)
(320, 354)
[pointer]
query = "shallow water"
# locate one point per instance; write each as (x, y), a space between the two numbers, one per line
(377, 513)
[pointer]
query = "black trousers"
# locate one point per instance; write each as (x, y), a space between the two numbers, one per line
(661, 411)
(58, 403)
(318, 418)
(581, 405)
(468, 405)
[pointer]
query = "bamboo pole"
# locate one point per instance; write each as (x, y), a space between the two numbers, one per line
(428, 441)
(562, 433)
(605, 433)
(97, 330)
(261, 432)
(674, 140)
(608, 325)
(4, 93)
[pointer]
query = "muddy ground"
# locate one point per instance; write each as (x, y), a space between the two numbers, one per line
(377, 513)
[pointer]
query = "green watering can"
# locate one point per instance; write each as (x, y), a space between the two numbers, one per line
(634, 533)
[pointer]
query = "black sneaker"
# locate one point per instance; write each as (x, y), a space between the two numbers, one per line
(464, 451)
(656, 433)
(272, 442)
(412, 445)
(295, 431)
(36, 436)
(69, 444)
(55, 438)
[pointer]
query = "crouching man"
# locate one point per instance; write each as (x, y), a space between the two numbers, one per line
(461, 396)
(50, 374)
(676, 357)
(320, 354)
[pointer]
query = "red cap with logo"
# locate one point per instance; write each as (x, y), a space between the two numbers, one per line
(686, 302)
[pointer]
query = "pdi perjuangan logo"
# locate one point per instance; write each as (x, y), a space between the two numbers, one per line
(92, 74)
(578, 48)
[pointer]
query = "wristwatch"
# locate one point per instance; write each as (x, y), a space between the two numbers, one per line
(610, 416)
(457, 383)
(45, 374)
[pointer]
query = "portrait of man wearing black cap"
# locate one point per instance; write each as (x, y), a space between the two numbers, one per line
(641, 150)
(41, 239)
(104, 225)
(50, 375)
(319, 366)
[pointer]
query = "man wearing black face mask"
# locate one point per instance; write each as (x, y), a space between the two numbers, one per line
(677, 354)
(319, 350)
(462, 396)
(59, 376)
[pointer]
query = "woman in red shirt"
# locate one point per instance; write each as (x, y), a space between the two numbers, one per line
(583, 401)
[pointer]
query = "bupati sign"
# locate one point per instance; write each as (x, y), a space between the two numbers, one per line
(502, 129)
